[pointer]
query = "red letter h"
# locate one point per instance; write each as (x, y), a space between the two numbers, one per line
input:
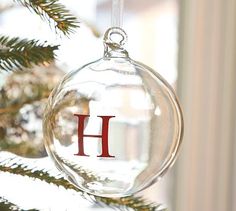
(103, 136)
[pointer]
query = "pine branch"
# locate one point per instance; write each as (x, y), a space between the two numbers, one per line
(6, 205)
(30, 167)
(52, 11)
(19, 54)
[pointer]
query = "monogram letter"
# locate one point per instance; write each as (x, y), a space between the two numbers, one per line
(103, 136)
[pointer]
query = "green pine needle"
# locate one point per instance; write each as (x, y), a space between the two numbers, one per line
(20, 54)
(6, 205)
(52, 11)
(28, 167)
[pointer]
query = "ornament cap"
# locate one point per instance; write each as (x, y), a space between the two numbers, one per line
(114, 40)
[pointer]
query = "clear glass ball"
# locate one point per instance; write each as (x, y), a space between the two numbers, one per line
(114, 126)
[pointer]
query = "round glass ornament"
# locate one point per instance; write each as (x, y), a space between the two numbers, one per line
(114, 126)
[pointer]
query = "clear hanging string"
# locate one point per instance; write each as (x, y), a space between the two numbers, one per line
(117, 13)
(115, 37)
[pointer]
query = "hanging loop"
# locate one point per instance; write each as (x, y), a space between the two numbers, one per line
(114, 40)
(115, 36)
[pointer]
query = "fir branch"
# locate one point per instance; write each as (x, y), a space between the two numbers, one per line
(28, 167)
(19, 54)
(52, 11)
(6, 205)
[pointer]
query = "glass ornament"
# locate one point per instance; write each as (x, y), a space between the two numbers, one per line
(114, 126)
